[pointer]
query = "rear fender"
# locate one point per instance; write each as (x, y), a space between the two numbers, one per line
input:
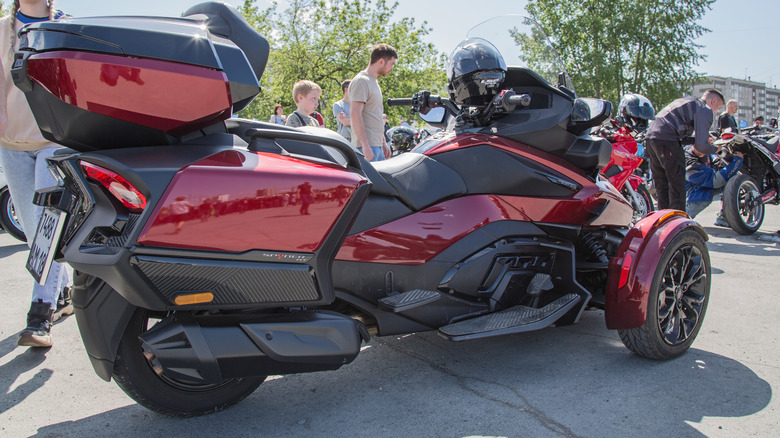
(93, 301)
(632, 270)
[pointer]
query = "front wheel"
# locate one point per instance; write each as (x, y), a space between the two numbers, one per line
(742, 204)
(8, 218)
(677, 300)
(645, 206)
(156, 391)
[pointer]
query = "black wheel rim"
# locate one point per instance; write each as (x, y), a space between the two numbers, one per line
(682, 294)
(750, 207)
(148, 322)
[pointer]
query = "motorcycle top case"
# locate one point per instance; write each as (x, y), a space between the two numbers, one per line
(111, 82)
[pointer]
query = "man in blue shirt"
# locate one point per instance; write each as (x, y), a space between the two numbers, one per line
(702, 182)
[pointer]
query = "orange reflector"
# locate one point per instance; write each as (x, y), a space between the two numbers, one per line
(193, 298)
(624, 270)
(670, 214)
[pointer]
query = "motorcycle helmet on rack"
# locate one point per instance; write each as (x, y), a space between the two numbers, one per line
(635, 111)
(475, 72)
(402, 138)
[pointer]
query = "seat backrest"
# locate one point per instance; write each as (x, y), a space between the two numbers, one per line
(224, 20)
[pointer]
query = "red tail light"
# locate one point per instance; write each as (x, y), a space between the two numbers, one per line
(727, 136)
(122, 190)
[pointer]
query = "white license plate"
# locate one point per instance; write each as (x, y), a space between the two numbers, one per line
(47, 238)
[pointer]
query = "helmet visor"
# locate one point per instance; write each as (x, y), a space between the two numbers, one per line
(641, 112)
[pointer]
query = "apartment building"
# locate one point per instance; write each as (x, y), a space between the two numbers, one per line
(755, 98)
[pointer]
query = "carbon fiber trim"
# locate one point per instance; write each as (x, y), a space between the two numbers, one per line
(231, 283)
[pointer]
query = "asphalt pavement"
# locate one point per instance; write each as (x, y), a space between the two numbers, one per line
(577, 381)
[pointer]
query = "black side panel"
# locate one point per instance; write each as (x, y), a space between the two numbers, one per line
(82, 130)
(589, 153)
(379, 210)
(363, 284)
(486, 169)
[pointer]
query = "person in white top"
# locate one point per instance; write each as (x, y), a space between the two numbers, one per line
(23, 152)
(367, 105)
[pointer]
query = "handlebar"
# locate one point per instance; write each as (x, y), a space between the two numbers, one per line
(400, 102)
(423, 101)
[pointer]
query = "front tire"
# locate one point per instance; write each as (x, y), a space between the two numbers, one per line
(677, 301)
(742, 204)
(8, 218)
(137, 378)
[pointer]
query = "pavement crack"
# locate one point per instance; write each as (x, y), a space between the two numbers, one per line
(543, 419)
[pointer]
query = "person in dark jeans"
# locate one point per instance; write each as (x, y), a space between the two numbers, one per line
(678, 120)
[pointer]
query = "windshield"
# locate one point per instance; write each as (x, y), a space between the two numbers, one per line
(522, 43)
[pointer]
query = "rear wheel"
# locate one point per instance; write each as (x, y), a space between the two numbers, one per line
(137, 377)
(677, 301)
(742, 204)
(8, 218)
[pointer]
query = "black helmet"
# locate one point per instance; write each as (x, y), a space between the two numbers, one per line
(402, 137)
(635, 111)
(475, 72)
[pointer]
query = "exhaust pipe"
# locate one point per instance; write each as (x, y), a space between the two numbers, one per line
(202, 350)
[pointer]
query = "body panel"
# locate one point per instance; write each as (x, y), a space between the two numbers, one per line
(238, 201)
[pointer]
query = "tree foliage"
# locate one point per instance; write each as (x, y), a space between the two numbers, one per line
(613, 47)
(330, 41)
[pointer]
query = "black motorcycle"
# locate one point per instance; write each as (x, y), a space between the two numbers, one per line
(758, 182)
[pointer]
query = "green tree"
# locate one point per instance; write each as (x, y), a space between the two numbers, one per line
(613, 47)
(330, 41)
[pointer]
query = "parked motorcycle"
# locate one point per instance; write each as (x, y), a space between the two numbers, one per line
(623, 166)
(198, 275)
(758, 182)
(8, 219)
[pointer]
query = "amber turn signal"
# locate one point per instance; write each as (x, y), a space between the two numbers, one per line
(193, 298)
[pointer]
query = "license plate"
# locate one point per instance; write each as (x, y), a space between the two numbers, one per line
(44, 246)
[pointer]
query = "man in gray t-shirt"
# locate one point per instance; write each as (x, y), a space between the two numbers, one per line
(341, 113)
(367, 106)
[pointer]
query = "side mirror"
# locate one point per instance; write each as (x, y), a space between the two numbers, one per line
(434, 115)
(587, 113)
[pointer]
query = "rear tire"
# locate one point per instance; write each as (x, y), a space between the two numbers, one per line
(135, 375)
(742, 204)
(8, 218)
(677, 301)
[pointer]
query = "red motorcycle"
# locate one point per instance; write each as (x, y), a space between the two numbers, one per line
(212, 252)
(622, 166)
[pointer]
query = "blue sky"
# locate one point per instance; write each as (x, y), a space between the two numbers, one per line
(744, 41)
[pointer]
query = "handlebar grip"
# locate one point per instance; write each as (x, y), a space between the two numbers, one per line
(399, 102)
(520, 99)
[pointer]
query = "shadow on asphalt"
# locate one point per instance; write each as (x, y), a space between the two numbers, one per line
(573, 381)
(760, 243)
(30, 359)
(6, 251)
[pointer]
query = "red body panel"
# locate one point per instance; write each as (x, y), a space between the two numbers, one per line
(636, 262)
(163, 95)
(417, 238)
(624, 148)
(237, 201)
